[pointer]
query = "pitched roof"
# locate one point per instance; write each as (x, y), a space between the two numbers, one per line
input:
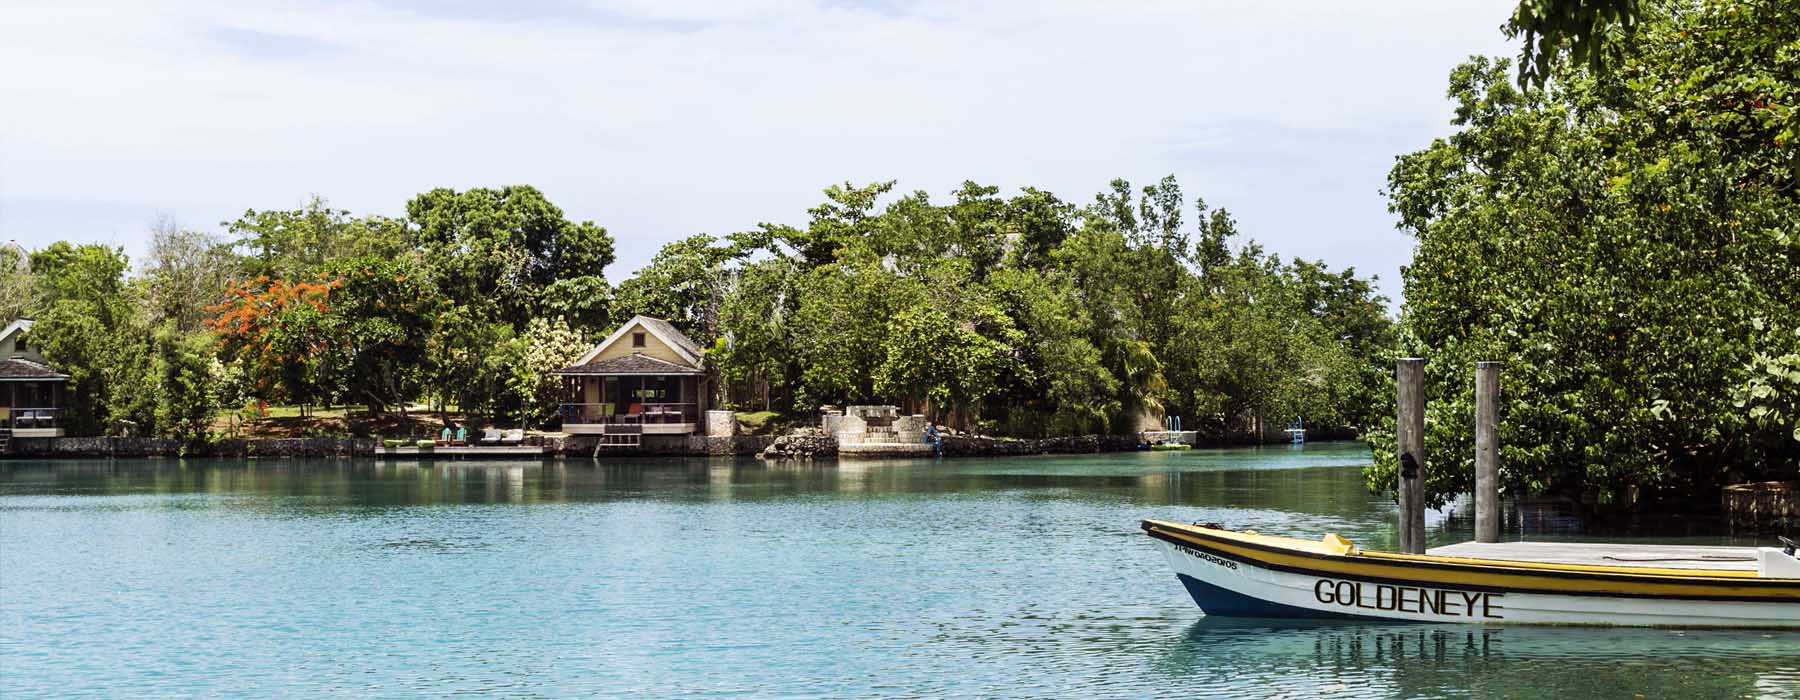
(681, 344)
(666, 331)
(16, 369)
(23, 324)
(629, 364)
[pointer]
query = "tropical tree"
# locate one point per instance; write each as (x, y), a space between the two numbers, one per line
(1624, 241)
(497, 250)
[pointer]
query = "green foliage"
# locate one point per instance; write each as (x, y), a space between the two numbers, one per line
(90, 274)
(188, 272)
(1024, 313)
(379, 321)
(188, 390)
(685, 284)
(301, 243)
(546, 346)
(1591, 32)
(1623, 241)
(75, 342)
(496, 251)
(754, 352)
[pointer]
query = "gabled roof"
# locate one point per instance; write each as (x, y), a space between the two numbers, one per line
(681, 344)
(21, 370)
(629, 364)
(23, 324)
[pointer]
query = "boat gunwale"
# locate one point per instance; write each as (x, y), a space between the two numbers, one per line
(1759, 589)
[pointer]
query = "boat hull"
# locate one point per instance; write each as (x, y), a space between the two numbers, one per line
(1223, 581)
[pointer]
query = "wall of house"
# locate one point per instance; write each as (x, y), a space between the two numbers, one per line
(653, 347)
(10, 348)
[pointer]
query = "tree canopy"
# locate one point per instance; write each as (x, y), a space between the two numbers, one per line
(1625, 240)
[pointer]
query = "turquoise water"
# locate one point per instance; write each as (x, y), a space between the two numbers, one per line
(692, 578)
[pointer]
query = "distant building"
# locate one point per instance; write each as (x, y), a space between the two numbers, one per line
(34, 391)
(645, 379)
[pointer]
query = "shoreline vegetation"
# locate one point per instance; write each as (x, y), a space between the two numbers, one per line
(1620, 227)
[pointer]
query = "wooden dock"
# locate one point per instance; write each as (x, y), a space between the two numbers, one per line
(469, 452)
(1660, 556)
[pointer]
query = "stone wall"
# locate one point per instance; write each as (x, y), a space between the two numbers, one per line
(802, 446)
(968, 446)
(154, 447)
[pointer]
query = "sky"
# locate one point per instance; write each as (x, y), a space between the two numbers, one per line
(659, 120)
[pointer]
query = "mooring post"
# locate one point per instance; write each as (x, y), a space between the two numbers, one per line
(1409, 431)
(1487, 452)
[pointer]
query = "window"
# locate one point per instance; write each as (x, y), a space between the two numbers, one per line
(637, 339)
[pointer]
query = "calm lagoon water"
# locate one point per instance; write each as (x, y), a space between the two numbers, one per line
(695, 578)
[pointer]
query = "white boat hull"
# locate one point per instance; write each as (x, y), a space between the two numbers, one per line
(1225, 585)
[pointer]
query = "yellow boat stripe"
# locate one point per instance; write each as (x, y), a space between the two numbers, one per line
(1309, 558)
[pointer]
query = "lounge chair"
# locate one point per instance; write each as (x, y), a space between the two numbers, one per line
(491, 436)
(444, 437)
(516, 436)
(462, 437)
(634, 413)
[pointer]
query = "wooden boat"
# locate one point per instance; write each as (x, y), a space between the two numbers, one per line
(1246, 574)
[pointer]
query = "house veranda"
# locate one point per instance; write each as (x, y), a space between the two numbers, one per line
(644, 379)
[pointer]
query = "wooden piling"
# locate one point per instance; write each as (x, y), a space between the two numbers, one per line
(1487, 452)
(1409, 431)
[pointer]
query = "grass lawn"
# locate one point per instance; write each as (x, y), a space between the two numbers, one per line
(760, 422)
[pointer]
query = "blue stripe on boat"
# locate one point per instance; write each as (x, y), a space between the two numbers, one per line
(1214, 600)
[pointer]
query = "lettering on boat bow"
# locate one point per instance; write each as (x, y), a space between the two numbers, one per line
(1208, 557)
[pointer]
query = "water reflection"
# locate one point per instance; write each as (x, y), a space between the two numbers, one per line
(1306, 659)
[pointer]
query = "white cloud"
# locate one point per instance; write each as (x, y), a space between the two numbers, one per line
(660, 119)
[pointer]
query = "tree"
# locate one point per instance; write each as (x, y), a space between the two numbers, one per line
(22, 294)
(188, 389)
(279, 333)
(89, 274)
(685, 284)
(496, 251)
(1591, 32)
(188, 271)
(1623, 240)
(546, 346)
(380, 316)
(755, 352)
(301, 243)
(1069, 391)
(74, 341)
(950, 353)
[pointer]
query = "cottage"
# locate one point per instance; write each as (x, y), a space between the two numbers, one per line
(644, 379)
(34, 391)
